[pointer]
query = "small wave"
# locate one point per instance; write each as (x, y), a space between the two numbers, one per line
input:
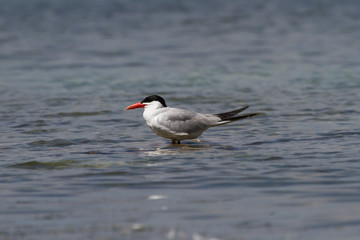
(37, 123)
(39, 131)
(339, 134)
(59, 142)
(45, 165)
(53, 143)
(78, 114)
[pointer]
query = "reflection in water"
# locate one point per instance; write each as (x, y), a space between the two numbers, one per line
(180, 149)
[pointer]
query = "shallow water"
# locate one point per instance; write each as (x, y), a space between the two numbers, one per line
(75, 165)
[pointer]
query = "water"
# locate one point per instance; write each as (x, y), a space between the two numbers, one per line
(75, 165)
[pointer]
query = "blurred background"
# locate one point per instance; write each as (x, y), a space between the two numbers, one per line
(75, 165)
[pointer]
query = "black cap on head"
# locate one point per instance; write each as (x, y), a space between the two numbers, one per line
(154, 98)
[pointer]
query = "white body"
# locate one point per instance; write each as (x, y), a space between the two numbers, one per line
(178, 124)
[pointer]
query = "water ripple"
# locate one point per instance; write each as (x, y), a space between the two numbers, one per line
(78, 114)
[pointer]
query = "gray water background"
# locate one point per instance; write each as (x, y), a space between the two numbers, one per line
(75, 165)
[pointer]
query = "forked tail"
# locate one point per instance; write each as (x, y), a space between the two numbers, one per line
(231, 116)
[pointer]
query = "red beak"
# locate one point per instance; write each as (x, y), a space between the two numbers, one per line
(135, 105)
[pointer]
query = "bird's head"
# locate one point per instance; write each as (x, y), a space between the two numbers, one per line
(153, 101)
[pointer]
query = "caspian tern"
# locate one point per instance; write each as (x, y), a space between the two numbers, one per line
(179, 124)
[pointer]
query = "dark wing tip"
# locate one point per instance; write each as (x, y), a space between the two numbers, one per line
(228, 115)
(232, 119)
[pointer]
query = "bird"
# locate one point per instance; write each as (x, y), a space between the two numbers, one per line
(180, 124)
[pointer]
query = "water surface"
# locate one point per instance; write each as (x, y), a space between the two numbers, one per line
(75, 165)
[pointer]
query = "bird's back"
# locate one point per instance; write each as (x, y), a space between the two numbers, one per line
(178, 123)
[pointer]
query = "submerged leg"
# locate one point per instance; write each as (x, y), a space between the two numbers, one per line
(174, 141)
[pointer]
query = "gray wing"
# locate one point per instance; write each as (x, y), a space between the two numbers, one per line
(186, 122)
